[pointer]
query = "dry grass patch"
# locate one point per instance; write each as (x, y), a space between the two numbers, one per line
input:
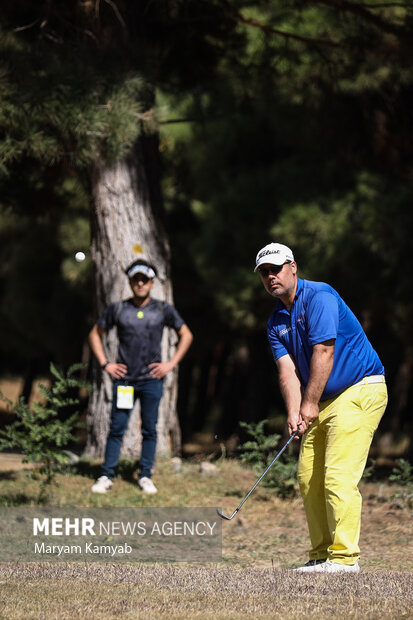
(158, 591)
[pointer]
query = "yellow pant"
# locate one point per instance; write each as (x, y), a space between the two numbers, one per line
(333, 456)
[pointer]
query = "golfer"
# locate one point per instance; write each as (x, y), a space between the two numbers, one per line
(333, 385)
(138, 371)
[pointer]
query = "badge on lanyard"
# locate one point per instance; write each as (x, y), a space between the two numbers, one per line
(124, 397)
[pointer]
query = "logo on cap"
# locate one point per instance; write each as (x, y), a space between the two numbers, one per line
(267, 252)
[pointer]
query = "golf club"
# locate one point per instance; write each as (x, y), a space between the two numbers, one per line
(228, 518)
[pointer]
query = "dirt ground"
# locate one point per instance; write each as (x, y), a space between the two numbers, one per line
(12, 462)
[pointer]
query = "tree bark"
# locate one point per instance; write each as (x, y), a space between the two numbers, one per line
(127, 223)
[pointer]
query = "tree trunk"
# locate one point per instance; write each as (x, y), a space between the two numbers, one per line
(127, 223)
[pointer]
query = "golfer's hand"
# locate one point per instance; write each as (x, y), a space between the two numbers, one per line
(160, 369)
(117, 371)
(308, 413)
(293, 424)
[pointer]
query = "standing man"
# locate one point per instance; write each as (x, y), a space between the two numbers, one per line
(138, 371)
(333, 385)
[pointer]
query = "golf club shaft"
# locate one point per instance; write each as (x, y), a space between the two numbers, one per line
(268, 468)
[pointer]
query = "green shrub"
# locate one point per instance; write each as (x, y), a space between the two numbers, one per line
(38, 432)
(402, 475)
(260, 451)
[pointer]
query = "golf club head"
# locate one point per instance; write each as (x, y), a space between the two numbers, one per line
(223, 516)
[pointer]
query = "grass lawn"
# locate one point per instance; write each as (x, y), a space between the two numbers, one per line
(267, 537)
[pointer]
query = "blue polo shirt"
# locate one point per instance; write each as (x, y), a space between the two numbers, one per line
(319, 314)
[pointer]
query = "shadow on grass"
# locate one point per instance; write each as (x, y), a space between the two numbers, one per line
(17, 499)
(8, 475)
(126, 470)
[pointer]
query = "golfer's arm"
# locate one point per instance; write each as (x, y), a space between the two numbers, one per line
(321, 365)
(184, 342)
(96, 344)
(290, 385)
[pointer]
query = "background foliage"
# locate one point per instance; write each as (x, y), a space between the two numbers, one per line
(278, 120)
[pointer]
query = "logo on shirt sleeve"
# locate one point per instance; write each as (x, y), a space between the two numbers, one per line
(283, 332)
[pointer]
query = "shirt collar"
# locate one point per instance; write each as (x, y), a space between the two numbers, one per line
(300, 284)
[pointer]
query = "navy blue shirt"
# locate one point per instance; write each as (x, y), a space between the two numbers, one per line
(140, 333)
(319, 314)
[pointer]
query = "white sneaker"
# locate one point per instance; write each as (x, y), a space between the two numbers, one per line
(147, 485)
(335, 567)
(309, 566)
(329, 567)
(102, 485)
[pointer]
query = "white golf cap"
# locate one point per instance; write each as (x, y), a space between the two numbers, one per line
(273, 254)
(144, 269)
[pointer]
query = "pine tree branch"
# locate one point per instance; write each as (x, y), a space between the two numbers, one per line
(360, 11)
(27, 27)
(286, 35)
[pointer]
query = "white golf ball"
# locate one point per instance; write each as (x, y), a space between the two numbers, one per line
(80, 256)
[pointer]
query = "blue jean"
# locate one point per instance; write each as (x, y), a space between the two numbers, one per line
(149, 392)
